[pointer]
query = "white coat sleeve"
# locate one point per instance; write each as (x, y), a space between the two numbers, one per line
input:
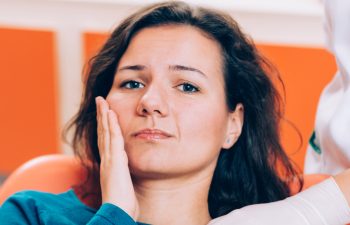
(322, 204)
(329, 149)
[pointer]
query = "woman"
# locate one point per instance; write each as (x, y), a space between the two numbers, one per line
(178, 125)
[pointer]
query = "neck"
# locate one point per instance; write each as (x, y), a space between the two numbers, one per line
(173, 201)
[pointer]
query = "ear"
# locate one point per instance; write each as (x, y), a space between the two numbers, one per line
(234, 126)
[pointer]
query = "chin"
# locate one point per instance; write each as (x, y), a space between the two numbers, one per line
(148, 162)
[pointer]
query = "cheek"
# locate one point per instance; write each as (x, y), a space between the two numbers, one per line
(204, 126)
(123, 107)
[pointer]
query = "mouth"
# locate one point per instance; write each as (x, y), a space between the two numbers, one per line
(152, 134)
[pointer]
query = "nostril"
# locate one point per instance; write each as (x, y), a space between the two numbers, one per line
(144, 110)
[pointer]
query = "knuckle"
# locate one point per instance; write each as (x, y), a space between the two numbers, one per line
(105, 129)
(113, 133)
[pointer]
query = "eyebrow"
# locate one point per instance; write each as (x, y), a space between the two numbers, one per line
(171, 67)
(133, 67)
(185, 68)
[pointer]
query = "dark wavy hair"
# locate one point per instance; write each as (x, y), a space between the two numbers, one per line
(256, 169)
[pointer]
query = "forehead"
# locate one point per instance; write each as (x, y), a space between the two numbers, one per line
(169, 44)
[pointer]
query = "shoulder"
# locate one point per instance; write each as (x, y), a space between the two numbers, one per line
(38, 198)
(35, 195)
(34, 206)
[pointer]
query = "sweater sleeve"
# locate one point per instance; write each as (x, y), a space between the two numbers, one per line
(110, 214)
(18, 211)
(25, 208)
(322, 204)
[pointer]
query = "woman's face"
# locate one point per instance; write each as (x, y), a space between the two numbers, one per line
(168, 93)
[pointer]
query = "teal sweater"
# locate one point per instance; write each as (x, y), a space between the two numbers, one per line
(39, 208)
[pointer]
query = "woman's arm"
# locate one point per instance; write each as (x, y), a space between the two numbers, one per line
(36, 208)
(322, 204)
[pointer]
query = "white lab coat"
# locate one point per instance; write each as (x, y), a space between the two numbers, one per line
(330, 151)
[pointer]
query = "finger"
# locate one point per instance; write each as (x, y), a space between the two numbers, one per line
(99, 125)
(116, 136)
(104, 122)
(103, 129)
(118, 154)
(98, 115)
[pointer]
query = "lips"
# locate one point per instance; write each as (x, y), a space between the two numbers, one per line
(152, 134)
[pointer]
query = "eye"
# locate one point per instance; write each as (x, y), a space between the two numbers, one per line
(131, 84)
(189, 88)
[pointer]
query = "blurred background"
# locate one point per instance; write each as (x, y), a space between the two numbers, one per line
(44, 45)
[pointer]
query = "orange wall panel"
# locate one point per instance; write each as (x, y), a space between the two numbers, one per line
(92, 43)
(28, 116)
(305, 71)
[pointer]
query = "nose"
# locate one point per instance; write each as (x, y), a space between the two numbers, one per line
(153, 103)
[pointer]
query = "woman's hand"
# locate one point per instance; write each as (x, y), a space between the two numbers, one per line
(116, 184)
